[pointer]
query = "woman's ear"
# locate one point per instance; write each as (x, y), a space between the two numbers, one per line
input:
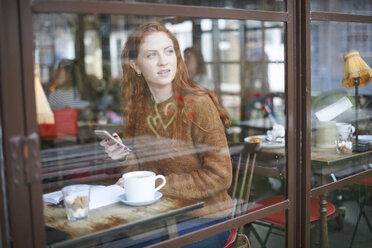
(134, 66)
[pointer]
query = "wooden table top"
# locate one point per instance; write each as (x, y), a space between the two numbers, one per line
(329, 156)
(115, 217)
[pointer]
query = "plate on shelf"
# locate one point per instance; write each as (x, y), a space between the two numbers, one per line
(123, 199)
(265, 143)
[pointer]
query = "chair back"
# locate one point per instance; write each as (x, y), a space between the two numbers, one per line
(243, 157)
(65, 124)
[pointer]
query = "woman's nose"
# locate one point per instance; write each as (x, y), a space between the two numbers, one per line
(162, 60)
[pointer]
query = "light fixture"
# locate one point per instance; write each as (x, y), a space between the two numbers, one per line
(356, 74)
(43, 110)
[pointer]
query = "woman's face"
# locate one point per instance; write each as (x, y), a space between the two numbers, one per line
(156, 60)
(191, 63)
(60, 76)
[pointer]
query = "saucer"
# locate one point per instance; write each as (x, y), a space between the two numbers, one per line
(265, 143)
(123, 199)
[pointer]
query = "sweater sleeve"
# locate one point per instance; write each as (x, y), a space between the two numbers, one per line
(215, 173)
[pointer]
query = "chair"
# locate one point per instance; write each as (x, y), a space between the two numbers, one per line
(64, 128)
(243, 157)
(368, 183)
(277, 221)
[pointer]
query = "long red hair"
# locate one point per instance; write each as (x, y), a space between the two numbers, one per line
(135, 90)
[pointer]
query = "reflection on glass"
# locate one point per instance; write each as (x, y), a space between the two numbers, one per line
(343, 6)
(54, 40)
(229, 46)
(262, 95)
(228, 24)
(207, 46)
(230, 78)
(333, 116)
(247, 74)
(276, 230)
(206, 24)
(349, 218)
(330, 41)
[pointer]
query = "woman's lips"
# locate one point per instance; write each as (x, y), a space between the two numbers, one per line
(164, 72)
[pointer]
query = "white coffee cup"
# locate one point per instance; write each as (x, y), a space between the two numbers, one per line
(325, 134)
(344, 129)
(140, 185)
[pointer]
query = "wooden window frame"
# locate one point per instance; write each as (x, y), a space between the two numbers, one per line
(23, 226)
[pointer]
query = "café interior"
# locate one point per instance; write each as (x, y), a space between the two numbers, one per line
(294, 76)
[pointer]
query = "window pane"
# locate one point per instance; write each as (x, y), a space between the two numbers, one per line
(330, 41)
(230, 78)
(229, 46)
(78, 61)
(276, 234)
(341, 121)
(349, 212)
(358, 7)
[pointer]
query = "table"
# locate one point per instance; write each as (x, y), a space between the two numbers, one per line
(255, 126)
(113, 220)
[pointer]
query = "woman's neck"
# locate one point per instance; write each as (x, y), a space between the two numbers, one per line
(161, 94)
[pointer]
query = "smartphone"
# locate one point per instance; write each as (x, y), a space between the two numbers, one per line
(103, 134)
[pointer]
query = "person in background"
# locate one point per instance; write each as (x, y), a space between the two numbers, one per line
(196, 67)
(156, 86)
(66, 87)
(257, 61)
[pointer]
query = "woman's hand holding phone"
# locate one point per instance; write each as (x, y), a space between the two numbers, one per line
(113, 145)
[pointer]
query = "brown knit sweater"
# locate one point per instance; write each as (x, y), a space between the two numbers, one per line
(196, 166)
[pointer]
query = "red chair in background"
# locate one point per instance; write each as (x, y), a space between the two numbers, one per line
(65, 126)
(277, 221)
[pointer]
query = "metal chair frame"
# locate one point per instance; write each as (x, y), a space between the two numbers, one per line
(240, 189)
(362, 213)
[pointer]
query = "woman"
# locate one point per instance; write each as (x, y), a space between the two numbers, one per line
(161, 101)
(66, 88)
(196, 67)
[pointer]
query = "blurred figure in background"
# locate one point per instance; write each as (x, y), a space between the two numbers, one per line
(196, 67)
(66, 87)
(257, 65)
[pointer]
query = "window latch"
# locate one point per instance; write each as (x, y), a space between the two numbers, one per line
(25, 159)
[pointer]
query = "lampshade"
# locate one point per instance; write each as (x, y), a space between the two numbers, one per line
(43, 110)
(355, 67)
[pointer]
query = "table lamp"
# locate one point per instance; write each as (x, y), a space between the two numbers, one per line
(43, 110)
(356, 74)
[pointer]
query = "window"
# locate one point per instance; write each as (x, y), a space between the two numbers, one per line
(268, 62)
(238, 58)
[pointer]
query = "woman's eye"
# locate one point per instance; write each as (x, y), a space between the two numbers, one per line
(151, 55)
(169, 51)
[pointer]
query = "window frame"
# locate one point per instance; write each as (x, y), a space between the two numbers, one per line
(296, 19)
(107, 7)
